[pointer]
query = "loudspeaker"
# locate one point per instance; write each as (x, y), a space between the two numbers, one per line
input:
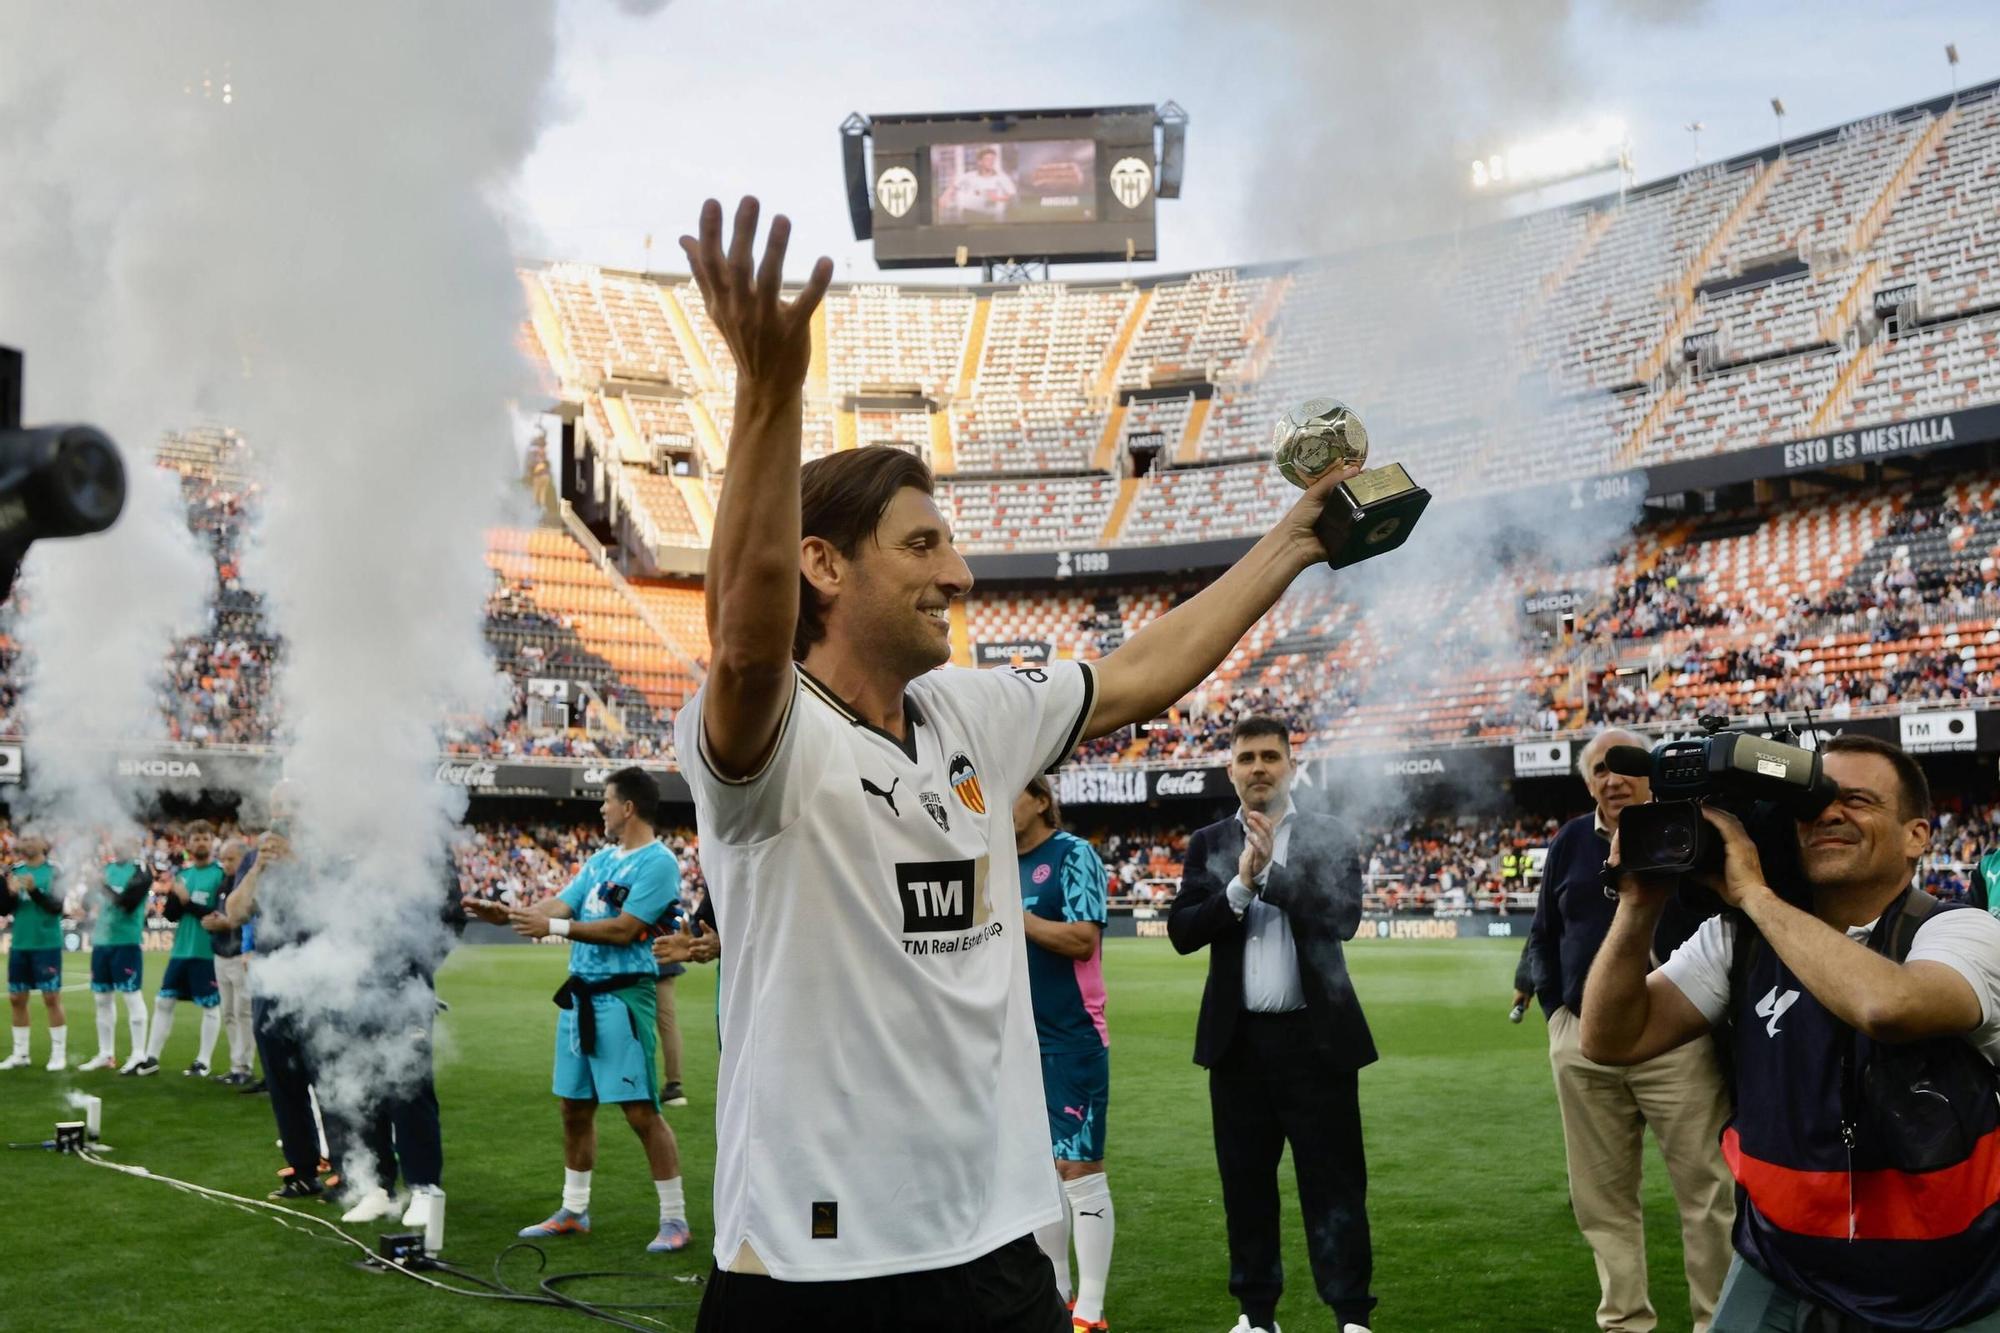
(1173, 150)
(860, 206)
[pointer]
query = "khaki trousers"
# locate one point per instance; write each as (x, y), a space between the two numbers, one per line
(1605, 1113)
(232, 978)
(670, 1033)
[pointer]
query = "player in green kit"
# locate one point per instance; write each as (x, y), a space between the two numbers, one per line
(117, 967)
(194, 892)
(34, 963)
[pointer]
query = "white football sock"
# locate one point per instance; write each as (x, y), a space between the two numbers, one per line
(576, 1190)
(163, 1026)
(21, 1043)
(1054, 1240)
(58, 1044)
(211, 1028)
(135, 1019)
(107, 1023)
(1092, 1219)
(673, 1206)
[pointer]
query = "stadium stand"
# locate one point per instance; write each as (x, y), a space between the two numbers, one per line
(882, 337)
(1723, 309)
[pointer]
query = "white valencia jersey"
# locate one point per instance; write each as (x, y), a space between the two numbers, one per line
(880, 1102)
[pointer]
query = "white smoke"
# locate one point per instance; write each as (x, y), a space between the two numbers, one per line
(297, 212)
(1424, 320)
(1378, 107)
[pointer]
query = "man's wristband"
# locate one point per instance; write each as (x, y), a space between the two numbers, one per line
(559, 926)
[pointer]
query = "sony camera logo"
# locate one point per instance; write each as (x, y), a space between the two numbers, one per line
(937, 895)
(1191, 782)
(469, 775)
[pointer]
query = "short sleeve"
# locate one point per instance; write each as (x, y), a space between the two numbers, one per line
(654, 889)
(740, 811)
(1968, 942)
(1033, 716)
(1699, 969)
(579, 888)
(1083, 884)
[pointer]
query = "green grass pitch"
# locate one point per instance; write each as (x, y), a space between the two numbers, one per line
(1471, 1222)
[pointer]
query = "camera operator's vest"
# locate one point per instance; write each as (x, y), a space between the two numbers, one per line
(1868, 1174)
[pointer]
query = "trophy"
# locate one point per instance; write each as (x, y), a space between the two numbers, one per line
(1383, 503)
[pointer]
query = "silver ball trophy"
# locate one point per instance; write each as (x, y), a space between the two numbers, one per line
(1379, 506)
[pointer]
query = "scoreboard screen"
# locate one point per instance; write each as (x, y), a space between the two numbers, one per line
(1065, 186)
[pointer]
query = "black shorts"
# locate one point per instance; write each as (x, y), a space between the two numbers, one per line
(1011, 1290)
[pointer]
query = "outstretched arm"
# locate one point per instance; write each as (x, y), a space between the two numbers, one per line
(753, 557)
(1156, 667)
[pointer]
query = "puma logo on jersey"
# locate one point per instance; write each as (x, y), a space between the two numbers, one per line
(888, 797)
(1773, 1007)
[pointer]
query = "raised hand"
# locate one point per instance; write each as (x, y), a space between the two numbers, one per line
(1259, 837)
(771, 339)
(1301, 522)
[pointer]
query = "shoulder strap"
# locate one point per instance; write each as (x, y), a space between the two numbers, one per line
(1917, 908)
(1742, 957)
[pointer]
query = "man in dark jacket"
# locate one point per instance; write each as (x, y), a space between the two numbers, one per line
(1272, 893)
(1606, 1111)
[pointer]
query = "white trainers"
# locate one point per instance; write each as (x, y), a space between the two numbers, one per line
(1243, 1325)
(132, 1062)
(56, 1064)
(1354, 1328)
(14, 1062)
(371, 1207)
(419, 1213)
(98, 1061)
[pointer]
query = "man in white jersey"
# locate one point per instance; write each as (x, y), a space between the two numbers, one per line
(983, 193)
(881, 1146)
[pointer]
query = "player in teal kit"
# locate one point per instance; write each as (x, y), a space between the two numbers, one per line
(194, 895)
(1062, 900)
(117, 967)
(34, 961)
(605, 1037)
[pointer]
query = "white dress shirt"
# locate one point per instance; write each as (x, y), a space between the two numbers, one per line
(1270, 957)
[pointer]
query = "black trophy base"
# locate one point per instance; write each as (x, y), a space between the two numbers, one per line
(1370, 514)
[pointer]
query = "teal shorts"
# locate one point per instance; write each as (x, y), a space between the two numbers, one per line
(1077, 1085)
(621, 1069)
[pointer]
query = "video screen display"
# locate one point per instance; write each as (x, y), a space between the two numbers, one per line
(1019, 181)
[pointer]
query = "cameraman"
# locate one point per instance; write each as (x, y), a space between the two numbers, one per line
(1606, 1111)
(1866, 1127)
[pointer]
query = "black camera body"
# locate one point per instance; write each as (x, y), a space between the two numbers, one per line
(55, 481)
(1767, 783)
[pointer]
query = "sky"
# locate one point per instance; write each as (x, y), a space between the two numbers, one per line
(1313, 126)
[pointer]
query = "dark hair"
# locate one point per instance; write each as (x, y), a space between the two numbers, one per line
(1914, 793)
(1259, 724)
(1042, 789)
(842, 498)
(199, 826)
(638, 787)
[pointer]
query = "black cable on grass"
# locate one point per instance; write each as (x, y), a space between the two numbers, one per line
(496, 1290)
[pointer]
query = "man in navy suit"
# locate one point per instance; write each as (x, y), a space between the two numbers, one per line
(1272, 893)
